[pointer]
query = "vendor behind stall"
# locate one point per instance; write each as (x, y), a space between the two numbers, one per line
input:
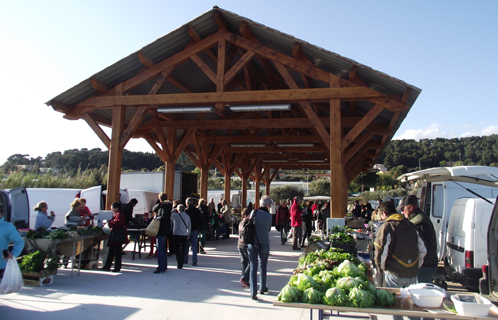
(75, 211)
(8, 234)
(42, 218)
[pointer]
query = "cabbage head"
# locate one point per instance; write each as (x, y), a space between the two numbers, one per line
(304, 282)
(347, 283)
(335, 297)
(320, 284)
(289, 294)
(361, 299)
(329, 278)
(384, 298)
(312, 296)
(365, 285)
(348, 269)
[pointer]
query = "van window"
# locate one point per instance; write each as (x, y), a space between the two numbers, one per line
(437, 201)
(5, 204)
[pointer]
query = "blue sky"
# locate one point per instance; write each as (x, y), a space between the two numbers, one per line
(449, 49)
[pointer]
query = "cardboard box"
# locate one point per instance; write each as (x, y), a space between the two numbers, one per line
(40, 282)
(45, 281)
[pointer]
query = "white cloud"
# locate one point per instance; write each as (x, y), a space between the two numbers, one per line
(432, 131)
(486, 131)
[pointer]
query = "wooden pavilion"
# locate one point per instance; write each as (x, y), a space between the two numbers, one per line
(245, 98)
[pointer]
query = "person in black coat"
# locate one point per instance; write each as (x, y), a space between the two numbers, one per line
(162, 212)
(308, 221)
(196, 224)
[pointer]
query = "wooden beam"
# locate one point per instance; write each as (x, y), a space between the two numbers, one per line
(297, 52)
(192, 158)
(132, 126)
(304, 68)
(241, 63)
(220, 74)
(204, 67)
(220, 21)
(183, 143)
(160, 134)
(174, 60)
(357, 146)
(273, 150)
(98, 85)
(153, 144)
(145, 60)
(180, 85)
(236, 97)
(305, 105)
(98, 130)
(361, 125)
(196, 38)
(260, 139)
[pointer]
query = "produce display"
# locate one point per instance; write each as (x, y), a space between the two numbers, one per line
(336, 279)
(61, 234)
(341, 235)
(37, 261)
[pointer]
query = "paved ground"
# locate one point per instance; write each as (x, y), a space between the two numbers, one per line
(210, 290)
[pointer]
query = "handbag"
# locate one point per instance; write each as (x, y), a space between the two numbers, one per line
(118, 236)
(12, 278)
(153, 228)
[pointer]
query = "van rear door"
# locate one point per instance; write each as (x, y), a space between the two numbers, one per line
(492, 275)
(93, 197)
(19, 212)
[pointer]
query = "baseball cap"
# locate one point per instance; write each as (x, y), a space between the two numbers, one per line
(411, 199)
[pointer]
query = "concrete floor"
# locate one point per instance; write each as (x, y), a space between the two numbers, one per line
(210, 290)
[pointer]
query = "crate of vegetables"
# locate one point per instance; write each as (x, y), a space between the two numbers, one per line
(343, 238)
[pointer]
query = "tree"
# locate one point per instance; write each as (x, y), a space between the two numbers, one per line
(320, 187)
(285, 192)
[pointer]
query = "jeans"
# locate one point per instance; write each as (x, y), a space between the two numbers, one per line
(284, 229)
(424, 274)
(392, 281)
(180, 243)
(263, 251)
(192, 242)
(244, 263)
(307, 234)
(115, 250)
(162, 255)
(297, 237)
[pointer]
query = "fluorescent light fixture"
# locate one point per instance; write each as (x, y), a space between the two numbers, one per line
(185, 110)
(295, 144)
(274, 160)
(274, 107)
(312, 160)
(250, 145)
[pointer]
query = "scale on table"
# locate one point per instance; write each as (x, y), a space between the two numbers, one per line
(103, 215)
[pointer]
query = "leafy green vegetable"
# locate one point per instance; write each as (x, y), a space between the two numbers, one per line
(57, 234)
(304, 282)
(348, 269)
(335, 297)
(347, 283)
(289, 294)
(320, 284)
(361, 298)
(312, 295)
(33, 262)
(384, 298)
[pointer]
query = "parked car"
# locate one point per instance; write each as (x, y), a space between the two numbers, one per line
(467, 241)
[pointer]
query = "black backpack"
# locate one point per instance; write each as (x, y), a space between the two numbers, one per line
(249, 234)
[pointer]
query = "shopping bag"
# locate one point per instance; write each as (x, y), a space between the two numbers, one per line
(153, 228)
(291, 233)
(12, 278)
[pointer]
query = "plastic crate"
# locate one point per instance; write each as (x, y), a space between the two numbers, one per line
(347, 247)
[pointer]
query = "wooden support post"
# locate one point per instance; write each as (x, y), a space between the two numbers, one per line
(204, 182)
(115, 153)
(169, 179)
(243, 203)
(227, 186)
(337, 190)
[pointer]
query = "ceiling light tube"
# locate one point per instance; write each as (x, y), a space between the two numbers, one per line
(273, 160)
(252, 108)
(185, 110)
(295, 144)
(250, 145)
(312, 160)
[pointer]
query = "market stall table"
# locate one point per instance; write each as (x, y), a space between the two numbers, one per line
(403, 307)
(137, 233)
(69, 247)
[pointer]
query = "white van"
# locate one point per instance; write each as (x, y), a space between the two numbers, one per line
(146, 201)
(467, 241)
(441, 187)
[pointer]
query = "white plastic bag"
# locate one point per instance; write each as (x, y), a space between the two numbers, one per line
(12, 278)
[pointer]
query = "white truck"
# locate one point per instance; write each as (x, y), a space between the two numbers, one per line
(186, 183)
(441, 187)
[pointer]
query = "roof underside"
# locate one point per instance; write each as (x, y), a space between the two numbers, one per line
(188, 77)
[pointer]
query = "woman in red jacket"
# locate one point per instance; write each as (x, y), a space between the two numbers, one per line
(296, 223)
(117, 222)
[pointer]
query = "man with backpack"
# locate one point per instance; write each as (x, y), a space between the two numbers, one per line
(259, 246)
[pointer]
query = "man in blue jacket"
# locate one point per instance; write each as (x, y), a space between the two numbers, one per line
(261, 246)
(8, 234)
